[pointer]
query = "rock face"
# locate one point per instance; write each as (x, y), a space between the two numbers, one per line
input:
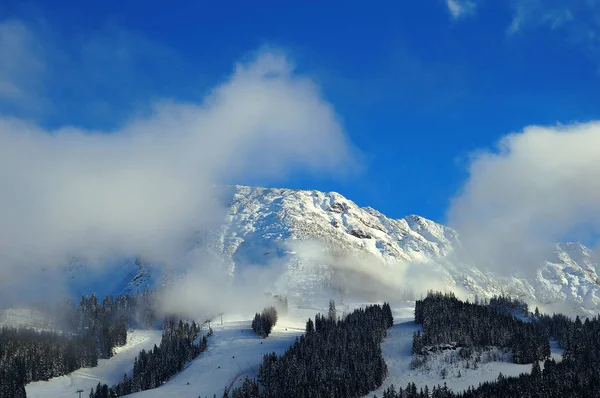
(306, 237)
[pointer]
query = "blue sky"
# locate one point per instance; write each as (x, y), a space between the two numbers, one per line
(419, 86)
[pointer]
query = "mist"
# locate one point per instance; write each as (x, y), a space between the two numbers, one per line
(368, 277)
(536, 188)
(147, 187)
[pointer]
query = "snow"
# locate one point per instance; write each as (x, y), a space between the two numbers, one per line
(25, 317)
(261, 228)
(397, 354)
(262, 224)
(234, 351)
(270, 218)
(109, 371)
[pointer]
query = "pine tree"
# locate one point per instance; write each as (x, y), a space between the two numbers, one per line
(388, 314)
(310, 326)
(536, 371)
(331, 314)
(341, 357)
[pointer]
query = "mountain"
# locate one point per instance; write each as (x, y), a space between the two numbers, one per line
(315, 244)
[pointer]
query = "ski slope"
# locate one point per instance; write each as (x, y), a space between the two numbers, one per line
(234, 351)
(109, 371)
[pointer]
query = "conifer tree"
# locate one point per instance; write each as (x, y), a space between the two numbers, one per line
(331, 314)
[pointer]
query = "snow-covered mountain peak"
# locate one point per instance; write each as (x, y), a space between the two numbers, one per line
(330, 217)
(576, 253)
(265, 226)
(264, 220)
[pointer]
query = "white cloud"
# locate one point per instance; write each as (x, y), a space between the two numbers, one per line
(539, 187)
(21, 67)
(538, 13)
(367, 276)
(143, 188)
(454, 8)
(579, 20)
(460, 8)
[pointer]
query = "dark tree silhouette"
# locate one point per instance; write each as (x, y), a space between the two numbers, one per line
(336, 358)
(263, 323)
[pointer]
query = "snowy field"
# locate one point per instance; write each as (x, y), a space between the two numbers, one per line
(234, 351)
(397, 353)
(108, 371)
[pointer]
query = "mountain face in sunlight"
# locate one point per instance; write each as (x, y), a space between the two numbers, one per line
(311, 244)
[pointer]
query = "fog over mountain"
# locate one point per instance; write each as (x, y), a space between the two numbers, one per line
(311, 245)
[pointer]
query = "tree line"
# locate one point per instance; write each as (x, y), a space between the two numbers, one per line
(89, 331)
(263, 323)
(107, 321)
(335, 358)
(448, 321)
(411, 391)
(180, 343)
(575, 376)
(28, 355)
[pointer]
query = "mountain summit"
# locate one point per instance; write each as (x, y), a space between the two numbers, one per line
(312, 242)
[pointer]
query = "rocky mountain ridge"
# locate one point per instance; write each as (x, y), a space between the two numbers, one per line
(312, 241)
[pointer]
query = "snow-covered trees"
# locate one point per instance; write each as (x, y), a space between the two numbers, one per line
(387, 312)
(263, 323)
(248, 389)
(90, 331)
(28, 355)
(447, 320)
(332, 314)
(411, 391)
(108, 320)
(102, 391)
(310, 326)
(336, 358)
(152, 368)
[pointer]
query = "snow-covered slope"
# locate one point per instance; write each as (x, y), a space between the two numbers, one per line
(313, 240)
(109, 371)
(260, 216)
(234, 352)
(396, 349)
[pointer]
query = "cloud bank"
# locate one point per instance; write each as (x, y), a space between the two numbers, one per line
(538, 187)
(369, 277)
(146, 187)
